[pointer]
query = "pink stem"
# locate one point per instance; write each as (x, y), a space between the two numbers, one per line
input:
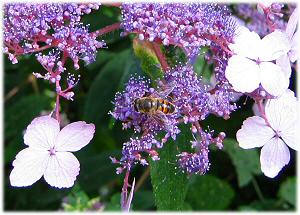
(41, 48)
(57, 105)
(124, 189)
(106, 29)
(162, 59)
(262, 112)
(113, 4)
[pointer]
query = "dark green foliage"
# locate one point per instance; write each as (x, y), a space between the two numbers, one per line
(209, 193)
(287, 191)
(246, 162)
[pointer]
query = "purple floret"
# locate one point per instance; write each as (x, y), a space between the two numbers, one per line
(30, 27)
(187, 25)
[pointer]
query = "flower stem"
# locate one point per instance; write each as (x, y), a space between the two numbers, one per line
(142, 179)
(257, 190)
(262, 112)
(113, 4)
(162, 59)
(124, 190)
(106, 29)
(57, 108)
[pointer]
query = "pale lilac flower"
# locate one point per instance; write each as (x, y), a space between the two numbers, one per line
(273, 134)
(251, 66)
(49, 153)
(292, 36)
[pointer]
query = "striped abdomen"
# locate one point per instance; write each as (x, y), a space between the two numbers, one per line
(153, 105)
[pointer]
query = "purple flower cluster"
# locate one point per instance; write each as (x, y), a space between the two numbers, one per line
(189, 25)
(35, 27)
(133, 149)
(193, 104)
(198, 162)
(193, 99)
(263, 20)
(194, 163)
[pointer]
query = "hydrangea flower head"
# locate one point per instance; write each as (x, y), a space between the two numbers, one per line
(251, 66)
(187, 25)
(273, 135)
(32, 27)
(49, 153)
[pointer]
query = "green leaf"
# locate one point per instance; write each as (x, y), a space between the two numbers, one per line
(174, 55)
(203, 69)
(266, 205)
(246, 162)
(287, 190)
(187, 207)
(169, 184)
(143, 200)
(106, 84)
(208, 192)
(149, 62)
(114, 204)
(92, 177)
(78, 200)
(17, 117)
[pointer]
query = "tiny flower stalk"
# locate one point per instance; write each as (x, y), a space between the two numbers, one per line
(106, 29)
(161, 57)
(125, 198)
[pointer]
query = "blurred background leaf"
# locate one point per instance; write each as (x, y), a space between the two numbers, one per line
(208, 192)
(287, 190)
(246, 162)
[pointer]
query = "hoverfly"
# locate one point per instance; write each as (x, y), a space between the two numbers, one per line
(156, 106)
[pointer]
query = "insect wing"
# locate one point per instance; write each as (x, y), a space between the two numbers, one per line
(167, 90)
(161, 118)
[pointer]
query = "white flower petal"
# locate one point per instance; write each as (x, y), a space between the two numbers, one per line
(294, 52)
(282, 112)
(242, 74)
(285, 65)
(41, 133)
(29, 166)
(273, 78)
(283, 115)
(62, 169)
(274, 45)
(292, 23)
(246, 43)
(274, 156)
(74, 136)
(254, 133)
(291, 137)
